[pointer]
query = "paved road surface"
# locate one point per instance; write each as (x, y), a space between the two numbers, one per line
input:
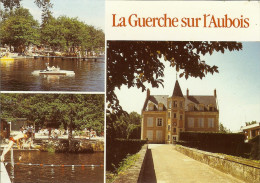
(166, 165)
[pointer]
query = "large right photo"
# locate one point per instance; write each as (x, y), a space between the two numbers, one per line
(182, 111)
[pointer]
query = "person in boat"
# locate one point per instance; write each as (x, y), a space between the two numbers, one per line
(26, 135)
(47, 66)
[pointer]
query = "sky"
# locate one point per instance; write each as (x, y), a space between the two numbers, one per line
(237, 85)
(92, 12)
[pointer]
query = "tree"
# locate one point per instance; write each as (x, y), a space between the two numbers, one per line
(73, 111)
(250, 123)
(19, 29)
(223, 129)
(52, 34)
(11, 4)
(134, 63)
(127, 126)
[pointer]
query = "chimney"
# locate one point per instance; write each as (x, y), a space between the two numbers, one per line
(148, 93)
(215, 93)
(187, 92)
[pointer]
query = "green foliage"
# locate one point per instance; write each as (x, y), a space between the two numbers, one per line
(19, 29)
(10, 4)
(73, 111)
(70, 34)
(255, 150)
(124, 165)
(127, 126)
(250, 123)
(223, 129)
(134, 63)
(117, 150)
(227, 143)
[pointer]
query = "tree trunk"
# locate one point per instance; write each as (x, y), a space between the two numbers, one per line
(70, 137)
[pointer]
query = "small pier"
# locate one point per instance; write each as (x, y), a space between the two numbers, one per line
(4, 175)
(69, 58)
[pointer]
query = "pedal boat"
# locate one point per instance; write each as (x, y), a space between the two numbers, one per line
(5, 58)
(54, 71)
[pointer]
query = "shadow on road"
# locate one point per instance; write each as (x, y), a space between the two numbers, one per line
(149, 172)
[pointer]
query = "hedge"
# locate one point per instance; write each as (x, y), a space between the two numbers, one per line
(227, 143)
(255, 150)
(118, 149)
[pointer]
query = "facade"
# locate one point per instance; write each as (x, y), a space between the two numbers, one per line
(164, 117)
(251, 131)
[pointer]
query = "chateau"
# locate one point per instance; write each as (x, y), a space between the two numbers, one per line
(164, 117)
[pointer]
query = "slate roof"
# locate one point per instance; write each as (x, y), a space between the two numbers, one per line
(156, 99)
(177, 90)
(192, 99)
(200, 99)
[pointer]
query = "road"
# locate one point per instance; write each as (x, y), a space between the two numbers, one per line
(166, 165)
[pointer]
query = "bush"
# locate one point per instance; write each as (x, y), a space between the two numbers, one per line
(227, 143)
(118, 149)
(255, 150)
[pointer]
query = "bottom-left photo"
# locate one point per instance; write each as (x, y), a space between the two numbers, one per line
(52, 137)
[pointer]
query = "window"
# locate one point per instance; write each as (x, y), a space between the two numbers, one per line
(174, 138)
(169, 137)
(201, 107)
(190, 122)
(175, 103)
(160, 106)
(159, 135)
(149, 134)
(201, 122)
(150, 106)
(169, 114)
(150, 122)
(211, 122)
(170, 104)
(174, 115)
(169, 127)
(211, 108)
(191, 107)
(180, 103)
(159, 122)
(174, 130)
(181, 117)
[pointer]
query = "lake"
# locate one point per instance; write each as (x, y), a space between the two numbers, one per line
(17, 75)
(56, 174)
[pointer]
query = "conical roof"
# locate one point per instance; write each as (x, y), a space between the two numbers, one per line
(177, 90)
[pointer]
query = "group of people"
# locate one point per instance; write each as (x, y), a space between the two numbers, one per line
(26, 135)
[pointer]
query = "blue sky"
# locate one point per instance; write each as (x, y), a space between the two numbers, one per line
(92, 12)
(237, 85)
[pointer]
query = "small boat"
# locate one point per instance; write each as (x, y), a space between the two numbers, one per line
(5, 58)
(53, 71)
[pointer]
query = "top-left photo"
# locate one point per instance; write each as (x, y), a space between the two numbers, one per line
(52, 45)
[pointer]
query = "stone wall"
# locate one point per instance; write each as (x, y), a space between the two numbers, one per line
(240, 168)
(134, 174)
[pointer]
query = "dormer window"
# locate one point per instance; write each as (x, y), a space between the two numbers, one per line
(211, 107)
(150, 106)
(160, 106)
(191, 107)
(201, 107)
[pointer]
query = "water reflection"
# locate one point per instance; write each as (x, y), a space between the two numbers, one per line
(58, 174)
(17, 75)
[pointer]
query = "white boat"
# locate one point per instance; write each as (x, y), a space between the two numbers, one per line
(53, 71)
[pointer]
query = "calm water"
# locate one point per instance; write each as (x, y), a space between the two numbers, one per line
(16, 75)
(42, 174)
